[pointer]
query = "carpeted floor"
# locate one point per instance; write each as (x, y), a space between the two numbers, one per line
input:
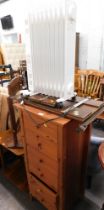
(12, 199)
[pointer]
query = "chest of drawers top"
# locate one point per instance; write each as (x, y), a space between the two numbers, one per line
(45, 115)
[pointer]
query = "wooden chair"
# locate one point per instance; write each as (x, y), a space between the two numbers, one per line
(23, 72)
(13, 87)
(88, 83)
(3, 108)
(6, 74)
(11, 154)
(101, 158)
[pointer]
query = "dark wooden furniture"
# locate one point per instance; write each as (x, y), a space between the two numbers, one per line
(12, 161)
(15, 130)
(101, 158)
(101, 154)
(23, 72)
(12, 156)
(14, 86)
(6, 138)
(6, 75)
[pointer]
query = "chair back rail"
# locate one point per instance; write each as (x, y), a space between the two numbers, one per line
(88, 83)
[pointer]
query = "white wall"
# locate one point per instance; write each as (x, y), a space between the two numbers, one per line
(90, 21)
(17, 9)
(89, 14)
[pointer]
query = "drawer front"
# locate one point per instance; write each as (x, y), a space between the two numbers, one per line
(43, 167)
(48, 131)
(42, 193)
(40, 144)
(30, 137)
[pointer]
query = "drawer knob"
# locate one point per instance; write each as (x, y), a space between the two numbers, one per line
(47, 136)
(41, 175)
(39, 145)
(45, 125)
(38, 190)
(41, 161)
(37, 136)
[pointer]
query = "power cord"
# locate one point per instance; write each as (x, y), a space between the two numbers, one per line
(38, 125)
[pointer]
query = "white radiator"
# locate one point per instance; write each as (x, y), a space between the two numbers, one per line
(50, 38)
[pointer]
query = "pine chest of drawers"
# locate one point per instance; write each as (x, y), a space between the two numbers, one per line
(55, 158)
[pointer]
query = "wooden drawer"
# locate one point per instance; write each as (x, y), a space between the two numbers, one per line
(48, 131)
(42, 193)
(43, 167)
(40, 144)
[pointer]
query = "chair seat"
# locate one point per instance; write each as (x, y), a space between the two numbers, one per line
(6, 138)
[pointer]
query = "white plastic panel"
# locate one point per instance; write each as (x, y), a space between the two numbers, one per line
(51, 48)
